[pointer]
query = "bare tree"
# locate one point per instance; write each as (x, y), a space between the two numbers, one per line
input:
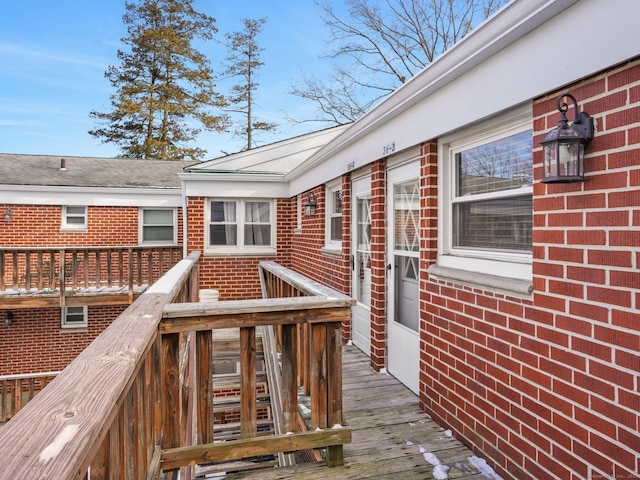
(380, 44)
(243, 62)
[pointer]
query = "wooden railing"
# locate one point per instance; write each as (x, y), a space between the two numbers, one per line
(104, 412)
(17, 390)
(83, 270)
(138, 403)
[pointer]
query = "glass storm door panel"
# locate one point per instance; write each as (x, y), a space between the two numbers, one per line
(403, 314)
(361, 264)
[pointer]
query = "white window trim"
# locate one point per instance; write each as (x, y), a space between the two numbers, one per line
(72, 227)
(73, 325)
(141, 241)
(331, 246)
(240, 249)
(512, 265)
(299, 208)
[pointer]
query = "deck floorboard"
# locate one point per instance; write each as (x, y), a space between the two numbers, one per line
(392, 437)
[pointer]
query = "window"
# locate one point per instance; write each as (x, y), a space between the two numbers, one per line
(487, 204)
(158, 226)
(334, 215)
(74, 317)
(74, 218)
(241, 226)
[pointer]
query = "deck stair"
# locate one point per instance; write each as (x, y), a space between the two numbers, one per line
(226, 401)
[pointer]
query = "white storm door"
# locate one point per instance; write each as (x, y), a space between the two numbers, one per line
(361, 264)
(403, 277)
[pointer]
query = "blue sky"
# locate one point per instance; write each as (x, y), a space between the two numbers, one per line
(54, 55)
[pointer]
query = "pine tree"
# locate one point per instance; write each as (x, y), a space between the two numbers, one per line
(162, 84)
(243, 61)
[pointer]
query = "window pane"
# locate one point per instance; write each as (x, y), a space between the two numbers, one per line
(223, 211)
(257, 212)
(223, 235)
(336, 228)
(501, 165)
(75, 220)
(406, 216)
(257, 234)
(75, 210)
(157, 217)
(336, 202)
(503, 224)
(151, 234)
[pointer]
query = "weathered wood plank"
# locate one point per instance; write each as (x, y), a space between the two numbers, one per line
(204, 382)
(245, 448)
(248, 409)
(171, 406)
(289, 378)
(80, 404)
(391, 437)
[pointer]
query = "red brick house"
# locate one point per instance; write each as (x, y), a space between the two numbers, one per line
(509, 305)
(118, 210)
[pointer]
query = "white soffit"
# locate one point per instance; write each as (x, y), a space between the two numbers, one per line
(517, 55)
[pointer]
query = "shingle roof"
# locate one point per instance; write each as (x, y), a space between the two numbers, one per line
(45, 170)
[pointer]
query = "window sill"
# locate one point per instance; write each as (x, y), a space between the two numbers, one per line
(74, 230)
(78, 329)
(270, 252)
(486, 280)
(331, 250)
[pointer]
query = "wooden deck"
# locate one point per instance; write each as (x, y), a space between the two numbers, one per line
(392, 437)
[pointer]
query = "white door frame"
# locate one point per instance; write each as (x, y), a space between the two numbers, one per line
(361, 265)
(403, 358)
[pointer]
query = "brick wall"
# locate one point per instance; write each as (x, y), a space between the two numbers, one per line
(307, 256)
(36, 343)
(548, 387)
(237, 278)
(378, 265)
(40, 226)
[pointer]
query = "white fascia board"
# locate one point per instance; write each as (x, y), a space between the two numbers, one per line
(111, 197)
(234, 185)
(517, 55)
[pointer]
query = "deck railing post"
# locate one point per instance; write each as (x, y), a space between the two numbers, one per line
(335, 455)
(170, 375)
(289, 378)
(248, 409)
(204, 415)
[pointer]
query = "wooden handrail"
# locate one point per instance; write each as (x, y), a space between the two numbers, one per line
(125, 407)
(61, 268)
(102, 411)
(17, 390)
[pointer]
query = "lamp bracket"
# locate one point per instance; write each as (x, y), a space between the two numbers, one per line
(582, 123)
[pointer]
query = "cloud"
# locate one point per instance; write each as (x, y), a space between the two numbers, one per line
(40, 52)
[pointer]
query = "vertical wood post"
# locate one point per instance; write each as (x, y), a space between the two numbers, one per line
(318, 375)
(205, 387)
(289, 378)
(335, 455)
(248, 407)
(170, 390)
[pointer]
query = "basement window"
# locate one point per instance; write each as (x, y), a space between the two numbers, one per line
(74, 218)
(74, 317)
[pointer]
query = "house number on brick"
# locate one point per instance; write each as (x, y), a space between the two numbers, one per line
(389, 148)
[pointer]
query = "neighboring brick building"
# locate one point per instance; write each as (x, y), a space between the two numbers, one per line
(49, 203)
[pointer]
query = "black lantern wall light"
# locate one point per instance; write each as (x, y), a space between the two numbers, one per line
(310, 206)
(563, 148)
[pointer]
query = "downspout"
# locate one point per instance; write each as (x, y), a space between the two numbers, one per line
(184, 218)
